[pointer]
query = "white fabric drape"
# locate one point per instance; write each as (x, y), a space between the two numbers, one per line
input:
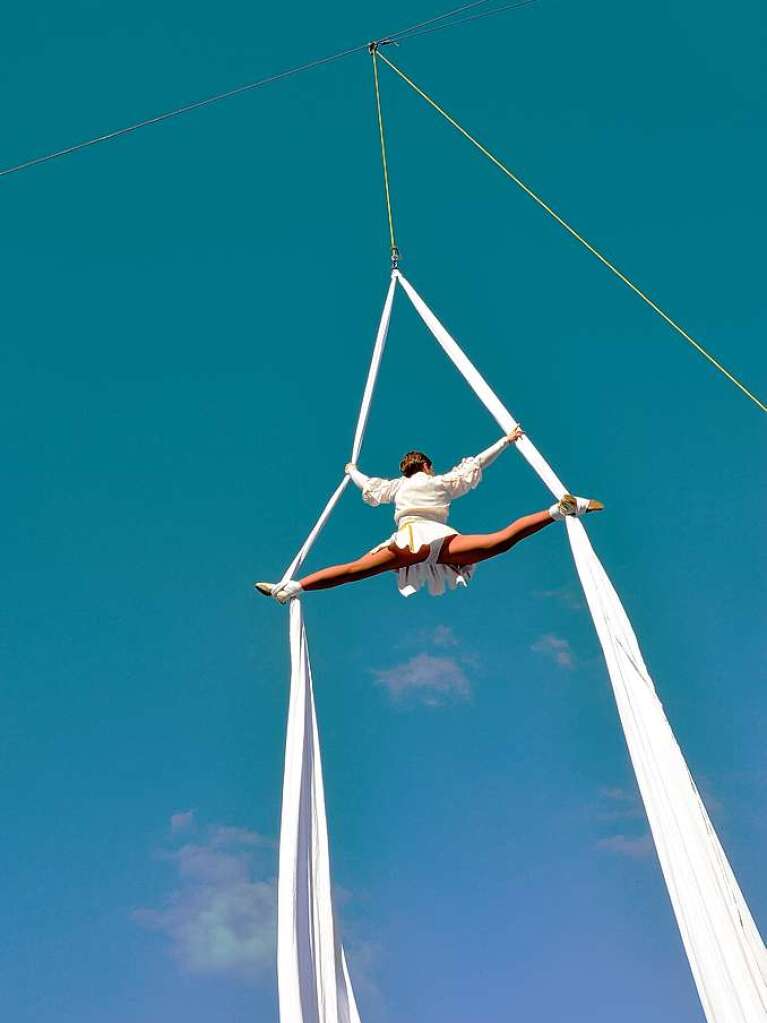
(726, 953)
(727, 956)
(312, 976)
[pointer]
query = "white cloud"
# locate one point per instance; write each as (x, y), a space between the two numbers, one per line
(220, 918)
(437, 637)
(431, 680)
(556, 648)
(228, 836)
(443, 636)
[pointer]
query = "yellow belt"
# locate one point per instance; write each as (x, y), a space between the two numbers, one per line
(412, 541)
(409, 526)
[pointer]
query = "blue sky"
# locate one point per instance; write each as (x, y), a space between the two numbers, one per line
(188, 314)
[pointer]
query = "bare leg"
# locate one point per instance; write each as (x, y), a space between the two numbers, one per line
(468, 550)
(387, 560)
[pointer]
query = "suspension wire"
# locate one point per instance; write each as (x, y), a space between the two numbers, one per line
(579, 237)
(198, 104)
(238, 90)
(384, 162)
(465, 21)
(440, 17)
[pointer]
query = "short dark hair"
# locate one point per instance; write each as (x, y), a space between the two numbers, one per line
(413, 462)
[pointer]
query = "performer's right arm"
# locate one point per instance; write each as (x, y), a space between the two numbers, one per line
(359, 479)
(374, 489)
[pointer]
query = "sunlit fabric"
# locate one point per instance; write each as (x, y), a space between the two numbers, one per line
(726, 953)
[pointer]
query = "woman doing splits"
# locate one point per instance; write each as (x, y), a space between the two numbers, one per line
(425, 550)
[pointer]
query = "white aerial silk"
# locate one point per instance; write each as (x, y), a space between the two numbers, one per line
(726, 953)
(313, 981)
(312, 976)
(727, 956)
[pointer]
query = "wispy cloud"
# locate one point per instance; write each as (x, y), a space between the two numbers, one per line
(364, 960)
(430, 680)
(568, 596)
(637, 848)
(443, 636)
(434, 677)
(618, 804)
(621, 808)
(556, 648)
(713, 804)
(616, 794)
(437, 637)
(182, 821)
(220, 917)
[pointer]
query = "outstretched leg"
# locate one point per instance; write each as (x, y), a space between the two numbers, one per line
(387, 560)
(456, 550)
(468, 550)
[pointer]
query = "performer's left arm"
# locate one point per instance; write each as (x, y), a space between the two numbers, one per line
(489, 455)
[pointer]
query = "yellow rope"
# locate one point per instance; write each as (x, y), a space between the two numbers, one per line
(392, 239)
(571, 230)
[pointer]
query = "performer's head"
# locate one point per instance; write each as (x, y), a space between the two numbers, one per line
(416, 461)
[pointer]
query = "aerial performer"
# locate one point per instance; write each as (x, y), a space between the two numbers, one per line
(425, 550)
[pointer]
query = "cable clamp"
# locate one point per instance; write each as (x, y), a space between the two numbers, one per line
(394, 257)
(375, 44)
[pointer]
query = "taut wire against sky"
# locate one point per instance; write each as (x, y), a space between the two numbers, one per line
(552, 213)
(453, 18)
(449, 19)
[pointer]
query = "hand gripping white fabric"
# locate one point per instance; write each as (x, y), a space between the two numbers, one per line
(312, 976)
(726, 953)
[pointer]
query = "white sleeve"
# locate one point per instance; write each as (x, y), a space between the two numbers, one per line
(463, 477)
(468, 473)
(358, 478)
(378, 491)
(489, 455)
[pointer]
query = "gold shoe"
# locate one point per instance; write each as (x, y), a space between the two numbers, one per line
(283, 593)
(570, 505)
